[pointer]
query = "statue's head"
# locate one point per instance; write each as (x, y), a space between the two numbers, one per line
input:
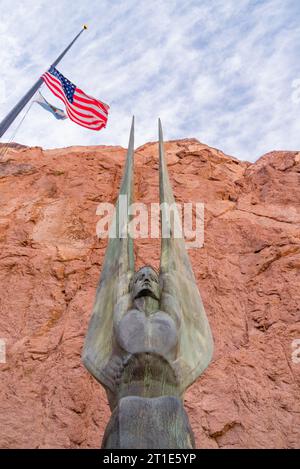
(145, 282)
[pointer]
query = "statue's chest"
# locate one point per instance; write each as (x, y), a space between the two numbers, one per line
(137, 332)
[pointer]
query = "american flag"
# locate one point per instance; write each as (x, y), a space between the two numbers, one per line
(81, 108)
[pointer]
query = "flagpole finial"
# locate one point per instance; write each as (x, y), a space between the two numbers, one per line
(85, 26)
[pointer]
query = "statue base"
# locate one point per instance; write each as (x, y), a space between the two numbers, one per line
(149, 423)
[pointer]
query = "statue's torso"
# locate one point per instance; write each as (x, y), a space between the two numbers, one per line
(155, 333)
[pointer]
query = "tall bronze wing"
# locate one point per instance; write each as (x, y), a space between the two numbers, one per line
(195, 338)
(117, 270)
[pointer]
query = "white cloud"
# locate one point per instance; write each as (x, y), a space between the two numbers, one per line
(222, 72)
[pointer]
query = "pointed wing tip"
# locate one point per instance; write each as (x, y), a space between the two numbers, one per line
(131, 135)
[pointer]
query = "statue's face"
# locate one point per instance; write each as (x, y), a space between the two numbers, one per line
(145, 283)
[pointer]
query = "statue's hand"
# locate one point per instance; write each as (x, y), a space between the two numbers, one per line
(114, 369)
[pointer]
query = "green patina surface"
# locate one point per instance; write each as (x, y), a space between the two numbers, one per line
(149, 335)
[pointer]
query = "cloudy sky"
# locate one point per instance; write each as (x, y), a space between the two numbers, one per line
(224, 71)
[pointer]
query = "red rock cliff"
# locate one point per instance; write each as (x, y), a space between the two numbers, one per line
(247, 272)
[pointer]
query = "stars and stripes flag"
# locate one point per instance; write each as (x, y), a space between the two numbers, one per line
(80, 107)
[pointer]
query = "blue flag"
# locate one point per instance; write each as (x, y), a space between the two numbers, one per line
(57, 113)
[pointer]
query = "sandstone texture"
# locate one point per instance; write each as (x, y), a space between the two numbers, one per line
(248, 274)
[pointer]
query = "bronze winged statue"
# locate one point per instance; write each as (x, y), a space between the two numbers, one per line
(149, 337)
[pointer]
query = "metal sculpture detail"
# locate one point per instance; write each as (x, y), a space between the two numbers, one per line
(148, 338)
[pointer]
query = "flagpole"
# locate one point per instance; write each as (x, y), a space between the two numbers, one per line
(8, 120)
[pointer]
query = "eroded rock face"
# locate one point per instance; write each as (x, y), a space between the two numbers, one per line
(248, 273)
